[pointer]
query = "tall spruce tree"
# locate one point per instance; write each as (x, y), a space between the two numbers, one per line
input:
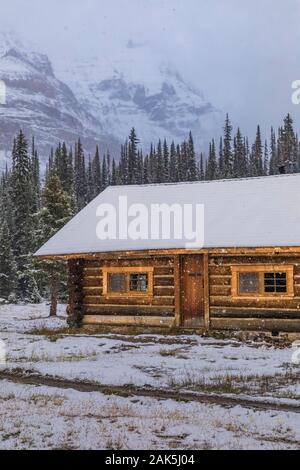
(55, 214)
(227, 150)
(23, 235)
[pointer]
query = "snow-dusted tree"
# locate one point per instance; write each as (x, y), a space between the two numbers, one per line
(211, 169)
(287, 146)
(23, 236)
(8, 268)
(256, 156)
(55, 214)
(132, 156)
(191, 164)
(80, 176)
(227, 151)
(96, 167)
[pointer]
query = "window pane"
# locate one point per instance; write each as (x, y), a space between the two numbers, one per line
(248, 283)
(138, 282)
(275, 282)
(116, 282)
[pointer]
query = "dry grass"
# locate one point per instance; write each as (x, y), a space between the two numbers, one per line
(236, 384)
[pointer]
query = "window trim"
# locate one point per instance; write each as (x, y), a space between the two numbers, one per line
(128, 270)
(261, 269)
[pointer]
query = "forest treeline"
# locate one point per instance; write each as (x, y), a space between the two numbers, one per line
(34, 206)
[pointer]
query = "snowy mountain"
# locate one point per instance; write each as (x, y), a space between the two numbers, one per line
(138, 89)
(40, 104)
(98, 99)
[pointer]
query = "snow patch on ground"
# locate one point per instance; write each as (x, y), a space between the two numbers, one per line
(43, 417)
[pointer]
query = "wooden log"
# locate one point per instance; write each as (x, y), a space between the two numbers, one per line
(220, 290)
(128, 320)
(177, 290)
(163, 281)
(129, 309)
(75, 305)
(254, 324)
(92, 282)
(261, 313)
(163, 290)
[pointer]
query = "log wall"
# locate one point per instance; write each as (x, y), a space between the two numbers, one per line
(157, 310)
(272, 314)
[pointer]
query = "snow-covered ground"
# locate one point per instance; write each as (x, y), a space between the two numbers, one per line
(50, 417)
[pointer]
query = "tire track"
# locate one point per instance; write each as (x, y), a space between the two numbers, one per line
(129, 390)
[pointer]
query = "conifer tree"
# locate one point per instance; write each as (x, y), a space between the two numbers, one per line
(96, 167)
(132, 157)
(173, 170)
(23, 235)
(55, 214)
(80, 176)
(191, 165)
(256, 156)
(211, 170)
(8, 268)
(227, 151)
(165, 161)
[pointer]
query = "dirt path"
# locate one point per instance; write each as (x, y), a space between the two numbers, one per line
(129, 390)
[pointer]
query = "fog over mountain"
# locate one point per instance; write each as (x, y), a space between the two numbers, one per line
(164, 66)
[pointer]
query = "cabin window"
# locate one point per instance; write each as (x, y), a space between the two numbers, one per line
(248, 283)
(128, 281)
(275, 282)
(116, 282)
(138, 282)
(262, 281)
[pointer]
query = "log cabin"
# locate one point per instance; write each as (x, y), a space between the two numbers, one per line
(244, 274)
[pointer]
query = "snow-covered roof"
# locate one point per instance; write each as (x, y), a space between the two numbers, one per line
(249, 212)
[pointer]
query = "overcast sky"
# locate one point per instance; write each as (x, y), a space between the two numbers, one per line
(244, 55)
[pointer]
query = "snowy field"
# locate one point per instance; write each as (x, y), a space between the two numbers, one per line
(43, 416)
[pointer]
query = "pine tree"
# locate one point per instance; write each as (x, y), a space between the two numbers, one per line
(211, 170)
(22, 203)
(256, 156)
(202, 172)
(36, 183)
(220, 172)
(80, 177)
(191, 165)
(114, 173)
(266, 160)
(159, 164)
(173, 171)
(8, 269)
(274, 163)
(96, 167)
(55, 214)
(132, 156)
(90, 181)
(227, 151)
(124, 165)
(287, 145)
(166, 158)
(239, 156)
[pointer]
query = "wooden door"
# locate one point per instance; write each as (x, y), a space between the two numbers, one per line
(192, 290)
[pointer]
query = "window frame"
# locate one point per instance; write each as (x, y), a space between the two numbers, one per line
(127, 271)
(261, 269)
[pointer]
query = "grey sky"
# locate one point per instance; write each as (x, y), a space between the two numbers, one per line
(242, 54)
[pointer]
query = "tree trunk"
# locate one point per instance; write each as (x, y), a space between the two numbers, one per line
(53, 294)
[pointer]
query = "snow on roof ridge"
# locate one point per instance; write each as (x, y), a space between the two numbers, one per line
(223, 180)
